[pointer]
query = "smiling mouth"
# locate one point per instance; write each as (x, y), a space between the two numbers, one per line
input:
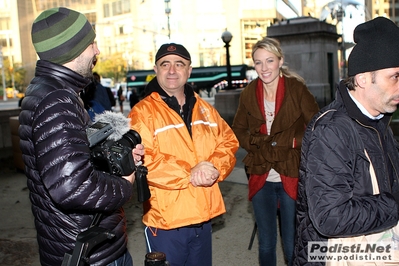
(266, 75)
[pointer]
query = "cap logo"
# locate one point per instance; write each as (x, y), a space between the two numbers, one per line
(171, 48)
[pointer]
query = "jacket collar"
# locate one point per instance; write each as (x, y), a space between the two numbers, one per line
(288, 104)
(153, 86)
(72, 79)
(352, 109)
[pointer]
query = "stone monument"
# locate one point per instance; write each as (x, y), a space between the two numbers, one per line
(310, 49)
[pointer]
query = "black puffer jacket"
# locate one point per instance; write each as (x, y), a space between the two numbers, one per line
(65, 190)
(335, 195)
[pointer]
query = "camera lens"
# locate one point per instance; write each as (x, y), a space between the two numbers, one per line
(131, 138)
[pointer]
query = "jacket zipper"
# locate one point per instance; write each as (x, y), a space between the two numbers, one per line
(381, 147)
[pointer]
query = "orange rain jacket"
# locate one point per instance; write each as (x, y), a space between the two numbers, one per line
(170, 153)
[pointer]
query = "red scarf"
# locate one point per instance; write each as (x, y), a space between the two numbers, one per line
(256, 182)
(260, 97)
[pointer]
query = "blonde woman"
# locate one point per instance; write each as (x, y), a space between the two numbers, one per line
(273, 112)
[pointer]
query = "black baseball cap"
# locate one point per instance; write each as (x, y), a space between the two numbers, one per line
(172, 48)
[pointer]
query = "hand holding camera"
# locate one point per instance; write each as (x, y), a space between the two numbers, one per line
(138, 153)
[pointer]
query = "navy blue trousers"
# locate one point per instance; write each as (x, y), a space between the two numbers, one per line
(184, 246)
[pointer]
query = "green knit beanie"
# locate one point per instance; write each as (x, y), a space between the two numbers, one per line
(59, 35)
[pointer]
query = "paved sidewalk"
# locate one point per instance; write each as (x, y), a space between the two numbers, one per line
(231, 231)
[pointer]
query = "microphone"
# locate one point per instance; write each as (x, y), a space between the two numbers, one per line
(113, 154)
(119, 123)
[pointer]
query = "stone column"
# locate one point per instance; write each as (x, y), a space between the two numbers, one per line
(310, 49)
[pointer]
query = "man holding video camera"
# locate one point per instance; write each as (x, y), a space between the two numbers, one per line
(66, 191)
(189, 148)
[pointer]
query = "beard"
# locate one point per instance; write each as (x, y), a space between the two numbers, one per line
(85, 66)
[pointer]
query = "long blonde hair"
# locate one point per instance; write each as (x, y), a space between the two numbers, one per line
(273, 46)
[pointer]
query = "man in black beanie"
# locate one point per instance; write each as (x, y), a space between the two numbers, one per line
(349, 169)
(65, 190)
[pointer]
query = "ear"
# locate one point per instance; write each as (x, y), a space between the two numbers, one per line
(281, 63)
(190, 70)
(361, 80)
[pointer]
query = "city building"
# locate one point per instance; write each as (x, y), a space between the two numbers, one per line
(135, 29)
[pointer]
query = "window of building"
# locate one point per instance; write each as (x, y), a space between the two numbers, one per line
(91, 17)
(4, 24)
(106, 10)
(126, 6)
(392, 14)
(253, 31)
(3, 42)
(116, 8)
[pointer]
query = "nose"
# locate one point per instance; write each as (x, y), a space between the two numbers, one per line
(96, 50)
(172, 69)
(264, 67)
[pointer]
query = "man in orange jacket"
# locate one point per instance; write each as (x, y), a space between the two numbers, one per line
(189, 148)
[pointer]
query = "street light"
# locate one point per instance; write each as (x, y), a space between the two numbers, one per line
(167, 12)
(226, 37)
(340, 17)
(3, 76)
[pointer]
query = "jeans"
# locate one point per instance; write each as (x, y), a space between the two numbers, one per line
(124, 260)
(265, 203)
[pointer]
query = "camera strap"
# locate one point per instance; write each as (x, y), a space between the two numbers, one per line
(96, 220)
(85, 242)
(143, 191)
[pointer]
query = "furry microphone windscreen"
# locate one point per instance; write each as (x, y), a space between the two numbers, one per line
(119, 123)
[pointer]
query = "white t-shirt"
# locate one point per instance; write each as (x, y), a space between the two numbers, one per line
(270, 108)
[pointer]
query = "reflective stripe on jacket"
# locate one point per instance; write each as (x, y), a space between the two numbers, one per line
(170, 153)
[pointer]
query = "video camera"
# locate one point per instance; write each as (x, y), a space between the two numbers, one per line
(112, 156)
(111, 142)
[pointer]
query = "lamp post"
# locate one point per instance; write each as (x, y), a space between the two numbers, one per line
(3, 76)
(340, 17)
(226, 37)
(167, 12)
